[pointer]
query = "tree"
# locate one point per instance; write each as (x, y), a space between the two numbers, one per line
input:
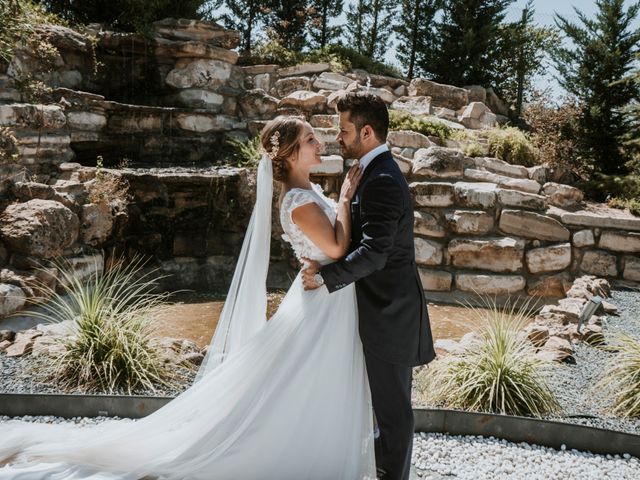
(601, 55)
(414, 31)
(244, 16)
(127, 15)
(632, 137)
(320, 12)
(369, 26)
(467, 42)
(286, 22)
(523, 49)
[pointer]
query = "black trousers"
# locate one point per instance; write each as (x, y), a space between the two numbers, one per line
(391, 397)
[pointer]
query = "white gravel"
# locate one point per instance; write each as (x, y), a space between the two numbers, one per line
(438, 456)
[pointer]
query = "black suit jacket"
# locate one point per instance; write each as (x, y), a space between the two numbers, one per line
(393, 319)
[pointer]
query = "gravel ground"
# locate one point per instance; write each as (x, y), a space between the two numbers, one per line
(575, 386)
(31, 374)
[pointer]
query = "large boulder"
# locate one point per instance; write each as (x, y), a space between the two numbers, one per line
(414, 105)
(495, 254)
(258, 104)
(442, 95)
(304, 100)
(474, 222)
(12, 299)
(97, 223)
(432, 194)
(562, 195)
(549, 259)
(477, 116)
(288, 85)
(438, 162)
(490, 284)
(532, 225)
(43, 228)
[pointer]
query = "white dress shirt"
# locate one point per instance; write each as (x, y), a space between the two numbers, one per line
(367, 157)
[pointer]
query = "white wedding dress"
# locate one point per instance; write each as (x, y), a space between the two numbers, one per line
(292, 402)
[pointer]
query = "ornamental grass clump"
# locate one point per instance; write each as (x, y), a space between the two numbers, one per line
(109, 348)
(621, 379)
(496, 372)
(511, 145)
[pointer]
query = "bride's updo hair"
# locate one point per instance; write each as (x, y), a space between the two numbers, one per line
(280, 140)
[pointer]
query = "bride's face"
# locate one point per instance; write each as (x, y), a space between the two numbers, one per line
(309, 151)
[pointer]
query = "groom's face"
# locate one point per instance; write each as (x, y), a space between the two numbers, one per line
(349, 137)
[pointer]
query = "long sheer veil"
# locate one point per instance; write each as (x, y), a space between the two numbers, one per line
(245, 309)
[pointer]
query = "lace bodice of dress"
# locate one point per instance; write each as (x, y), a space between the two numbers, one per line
(302, 245)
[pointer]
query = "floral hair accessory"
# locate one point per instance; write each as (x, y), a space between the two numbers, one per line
(275, 145)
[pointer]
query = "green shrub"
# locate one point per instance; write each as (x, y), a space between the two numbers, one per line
(622, 377)
(511, 145)
(8, 145)
(600, 187)
(474, 150)
(110, 312)
(632, 204)
(497, 372)
(402, 120)
(245, 153)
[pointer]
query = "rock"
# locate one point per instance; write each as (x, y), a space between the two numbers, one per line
(432, 194)
(549, 259)
(555, 349)
(200, 73)
(408, 139)
(194, 358)
(304, 69)
(562, 195)
(304, 100)
(4, 344)
(386, 96)
(428, 252)
(199, 98)
(583, 238)
(435, 280)
(414, 105)
(327, 136)
(331, 81)
(286, 86)
(518, 199)
(532, 225)
(203, 123)
(428, 225)
(475, 195)
(496, 104)
(614, 219)
(36, 117)
(628, 242)
(538, 173)
(631, 268)
(477, 93)
(88, 121)
(469, 222)
(259, 69)
(96, 223)
(477, 116)
(442, 95)
(598, 262)
(197, 30)
(47, 346)
(555, 286)
(258, 104)
(400, 91)
(85, 267)
(331, 165)
(192, 50)
(538, 335)
(592, 334)
(43, 228)
(262, 81)
(438, 162)
(522, 184)
(324, 121)
(23, 343)
(446, 346)
(490, 284)
(12, 299)
(495, 254)
(501, 167)
(7, 335)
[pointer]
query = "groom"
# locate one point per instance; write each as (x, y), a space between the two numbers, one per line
(394, 323)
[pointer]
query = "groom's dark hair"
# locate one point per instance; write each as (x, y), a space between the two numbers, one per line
(366, 109)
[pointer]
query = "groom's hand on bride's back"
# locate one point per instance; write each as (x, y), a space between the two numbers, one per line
(308, 274)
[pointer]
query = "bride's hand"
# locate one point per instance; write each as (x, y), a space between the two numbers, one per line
(351, 182)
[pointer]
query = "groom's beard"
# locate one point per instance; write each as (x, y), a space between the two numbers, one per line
(353, 150)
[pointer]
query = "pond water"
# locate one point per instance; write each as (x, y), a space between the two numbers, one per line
(194, 316)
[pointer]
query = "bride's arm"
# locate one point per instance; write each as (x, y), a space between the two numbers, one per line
(314, 223)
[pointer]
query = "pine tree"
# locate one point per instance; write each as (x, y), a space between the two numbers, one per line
(523, 48)
(369, 26)
(414, 31)
(244, 16)
(467, 42)
(286, 22)
(602, 54)
(321, 12)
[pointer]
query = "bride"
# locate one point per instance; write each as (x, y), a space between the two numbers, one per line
(281, 399)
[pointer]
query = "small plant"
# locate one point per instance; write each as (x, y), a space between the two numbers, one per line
(245, 153)
(107, 187)
(401, 120)
(622, 377)
(511, 145)
(109, 348)
(497, 372)
(8, 145)
(474, 150)
(632, 204)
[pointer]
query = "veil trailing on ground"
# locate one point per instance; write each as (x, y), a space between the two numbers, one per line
(245, 309)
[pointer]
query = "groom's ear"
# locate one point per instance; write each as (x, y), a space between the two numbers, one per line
(366, 132)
